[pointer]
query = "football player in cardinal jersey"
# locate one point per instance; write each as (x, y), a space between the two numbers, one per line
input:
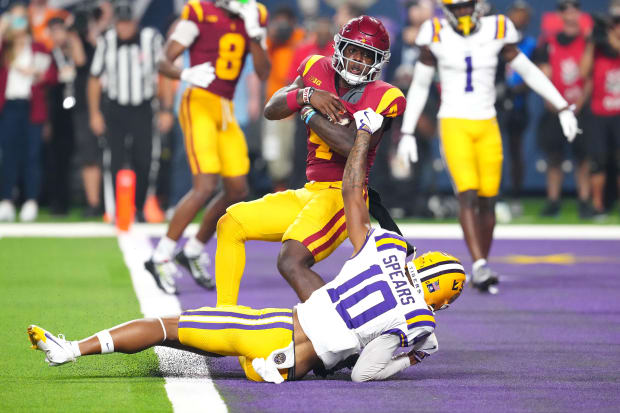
(377, 303)
(218, 36)
(310, 221)
(465, 46)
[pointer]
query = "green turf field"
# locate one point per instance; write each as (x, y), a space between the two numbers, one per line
(531, 211)
(43, 287)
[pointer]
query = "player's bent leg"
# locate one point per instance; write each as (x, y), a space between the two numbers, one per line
(229, 259)
(203, 186)
(294, 262)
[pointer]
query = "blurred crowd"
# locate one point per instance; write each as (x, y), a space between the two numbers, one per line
(72, 115)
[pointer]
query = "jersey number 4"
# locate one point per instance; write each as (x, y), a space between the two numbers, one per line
(384, 301)
(228, 64)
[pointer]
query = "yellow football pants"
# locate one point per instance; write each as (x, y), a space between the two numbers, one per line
(238, 331)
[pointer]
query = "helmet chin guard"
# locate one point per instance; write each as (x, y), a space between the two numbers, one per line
(367, 33)
(464, 24)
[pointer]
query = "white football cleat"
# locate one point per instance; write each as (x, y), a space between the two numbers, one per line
(197, 267)
(164, 274)
(7, 211)
(29, 211)
(57, 350)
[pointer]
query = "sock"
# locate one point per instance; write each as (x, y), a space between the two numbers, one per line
(105, 339)
(229, 259)
(193, 248)
(479, 263)
(75, 348)
(164, 250)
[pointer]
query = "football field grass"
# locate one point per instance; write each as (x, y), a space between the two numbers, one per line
(77, 287)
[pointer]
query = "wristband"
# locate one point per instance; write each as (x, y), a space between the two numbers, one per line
(306, 113)
(310, 115)
(307, 93)
(291, 100)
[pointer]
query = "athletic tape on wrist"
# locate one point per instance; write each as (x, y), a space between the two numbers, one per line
(105, 339)
(291, 100)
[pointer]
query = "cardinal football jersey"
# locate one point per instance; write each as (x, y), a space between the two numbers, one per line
(467, 64)
(323, 164)
(370, 296)
(222, 40)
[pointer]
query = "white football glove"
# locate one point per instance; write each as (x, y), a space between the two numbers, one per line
(570, 127)
(368, 118)
(201, 75)
(249, 13)
(407, 150)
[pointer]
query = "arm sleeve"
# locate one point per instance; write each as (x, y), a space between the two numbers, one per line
(98, 64)
(185, 32)
(416, 96)
(425, 35)
(512, 34)
(537, 80)
(376, 361)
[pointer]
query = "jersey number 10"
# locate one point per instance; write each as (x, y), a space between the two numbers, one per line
(386, 304)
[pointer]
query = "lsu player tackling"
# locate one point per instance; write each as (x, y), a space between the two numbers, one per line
(465, 46)
(218, 36)
(376, 304)
(310, 222)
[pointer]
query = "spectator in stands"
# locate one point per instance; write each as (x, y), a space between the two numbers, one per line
(601, 61)
(67, 55)
(40, 15)
(513, 108)
(283, 37)
(25, 70)
(126, 55)
(559, 57)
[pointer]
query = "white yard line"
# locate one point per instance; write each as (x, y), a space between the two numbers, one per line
(188, 383)
(414, 231)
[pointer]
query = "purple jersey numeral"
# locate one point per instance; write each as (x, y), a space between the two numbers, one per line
(470, 68)
(373, 312)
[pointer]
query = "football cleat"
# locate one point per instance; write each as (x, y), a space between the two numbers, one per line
(442, 277)
(57, 350)
(484, 279)
(197, 267)
(163, 273)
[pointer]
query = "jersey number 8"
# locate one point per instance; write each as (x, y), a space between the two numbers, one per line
(228, 64)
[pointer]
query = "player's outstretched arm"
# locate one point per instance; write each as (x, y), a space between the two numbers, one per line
(417, 95)
(260, 59)
(541, 84)
(354, 178)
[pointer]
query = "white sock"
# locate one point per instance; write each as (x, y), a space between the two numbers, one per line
(75, 348)
(164, 250)
(479, 263)
(193, 248)
(105, 339)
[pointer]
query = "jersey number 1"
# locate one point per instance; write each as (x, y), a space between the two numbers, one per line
(344, 306)
(469, 87)
(228, 64)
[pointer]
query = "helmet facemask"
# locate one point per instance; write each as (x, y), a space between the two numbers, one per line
(468, 23)
(342, 64)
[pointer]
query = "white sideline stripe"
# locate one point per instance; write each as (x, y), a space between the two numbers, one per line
(413, 231)
(188, 383)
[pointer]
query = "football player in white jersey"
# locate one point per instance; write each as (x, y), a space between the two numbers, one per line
(376, 304)
(464, 46)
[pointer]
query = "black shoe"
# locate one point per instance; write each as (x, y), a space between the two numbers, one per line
(585, 210)
(551, 209)
(92, 212)
(197, 267)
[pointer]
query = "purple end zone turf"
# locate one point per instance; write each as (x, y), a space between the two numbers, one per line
(548, 342)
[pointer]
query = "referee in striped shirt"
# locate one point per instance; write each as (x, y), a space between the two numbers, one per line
(124, 71)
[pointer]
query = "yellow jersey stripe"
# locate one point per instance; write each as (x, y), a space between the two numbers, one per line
(501, 27)
(262, 14)
(421, 318)
(388, 98)
(436, 29)
(197, 9)
(311, 62)
(391, 241)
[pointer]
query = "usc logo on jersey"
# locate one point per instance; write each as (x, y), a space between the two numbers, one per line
(315, 81)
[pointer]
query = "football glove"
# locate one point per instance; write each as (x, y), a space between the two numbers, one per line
(249, 13)
(201, 75)
(407, 150)
(570, 127)
(368, 120)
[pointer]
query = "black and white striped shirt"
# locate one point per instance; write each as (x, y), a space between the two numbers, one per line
(128, 68)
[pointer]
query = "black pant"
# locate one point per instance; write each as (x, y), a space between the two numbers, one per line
(129, 134)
